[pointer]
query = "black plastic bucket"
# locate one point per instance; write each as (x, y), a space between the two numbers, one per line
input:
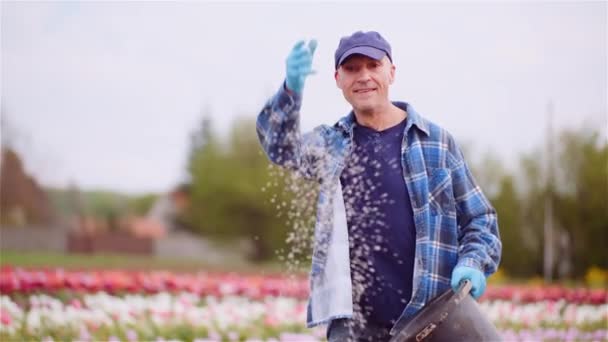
(449, 317)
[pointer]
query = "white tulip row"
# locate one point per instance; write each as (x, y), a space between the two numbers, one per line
(232, 316)
(218, 317)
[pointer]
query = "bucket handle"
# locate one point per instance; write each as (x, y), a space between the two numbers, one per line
(463, 290)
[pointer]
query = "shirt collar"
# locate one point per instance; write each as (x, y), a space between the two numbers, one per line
(348, 122)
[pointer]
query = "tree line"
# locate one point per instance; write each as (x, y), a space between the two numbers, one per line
(235, 193)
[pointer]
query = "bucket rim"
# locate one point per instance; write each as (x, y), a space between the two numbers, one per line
(421, 331)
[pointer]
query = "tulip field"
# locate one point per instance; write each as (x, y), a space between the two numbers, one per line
(118, 305)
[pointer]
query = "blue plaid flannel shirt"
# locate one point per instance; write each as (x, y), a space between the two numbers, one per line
(455, 223)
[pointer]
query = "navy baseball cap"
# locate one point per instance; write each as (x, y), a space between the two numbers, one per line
(370, 44)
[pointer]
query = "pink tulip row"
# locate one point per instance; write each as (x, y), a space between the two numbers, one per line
(542, 334)
(16, 280)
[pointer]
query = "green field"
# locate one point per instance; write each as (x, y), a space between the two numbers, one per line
(125, 261)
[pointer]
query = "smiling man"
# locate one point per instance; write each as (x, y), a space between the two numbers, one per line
(400, 218)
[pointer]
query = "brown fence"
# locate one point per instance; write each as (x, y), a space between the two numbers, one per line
(109, 243)
(58, 239)
(33, 239)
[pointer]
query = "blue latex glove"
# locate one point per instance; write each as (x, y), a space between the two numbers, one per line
(299, 65)
(477, 278)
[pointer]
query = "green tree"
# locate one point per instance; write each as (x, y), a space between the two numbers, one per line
(582, 197)
(579, 193)
(518, 256)
(226, 183)
(532, 182)
(140, 205)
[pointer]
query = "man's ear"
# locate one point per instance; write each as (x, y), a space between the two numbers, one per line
(337, 78)
(392, 74)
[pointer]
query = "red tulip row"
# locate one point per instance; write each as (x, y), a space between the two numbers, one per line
(530, 294)
(16, 280)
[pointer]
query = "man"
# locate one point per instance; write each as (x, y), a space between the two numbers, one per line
(400, 218)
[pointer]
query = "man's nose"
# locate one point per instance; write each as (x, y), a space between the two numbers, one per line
(364, 76)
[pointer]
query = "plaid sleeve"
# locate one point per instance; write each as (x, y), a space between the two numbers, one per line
(278, 129)
(479, 239)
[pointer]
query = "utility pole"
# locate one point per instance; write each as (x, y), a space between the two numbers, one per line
(548, 261)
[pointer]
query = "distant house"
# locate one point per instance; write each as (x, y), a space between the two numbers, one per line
(156, 224)
(136, 226)
(22, 199)
(144, 227)
(168, 206)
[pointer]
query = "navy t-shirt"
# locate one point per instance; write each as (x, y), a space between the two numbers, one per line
(382, 235)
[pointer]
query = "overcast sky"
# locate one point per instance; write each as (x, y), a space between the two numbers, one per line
(106, 94)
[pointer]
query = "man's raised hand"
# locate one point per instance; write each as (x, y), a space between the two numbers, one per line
(299, 65)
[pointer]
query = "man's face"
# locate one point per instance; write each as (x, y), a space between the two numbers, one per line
(364, 81)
